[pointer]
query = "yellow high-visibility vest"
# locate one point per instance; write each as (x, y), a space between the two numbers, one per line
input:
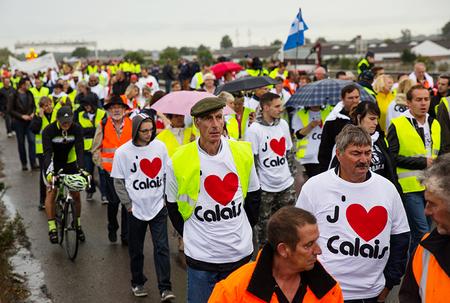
(411, 145)
(89, 127)
(171, 142)
(304, 117)
(38, 137)
(186, 168)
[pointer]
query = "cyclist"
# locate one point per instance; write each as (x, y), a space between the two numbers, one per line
(63, 150)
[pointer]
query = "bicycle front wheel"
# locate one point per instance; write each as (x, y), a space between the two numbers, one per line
(70, 230)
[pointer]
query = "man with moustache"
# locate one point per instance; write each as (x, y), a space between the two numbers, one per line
(364, 232)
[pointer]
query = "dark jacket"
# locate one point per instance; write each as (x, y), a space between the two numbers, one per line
(57, 147)
(439, 246)
(167, 72)
(444, 121)
(16, 109)
(5, 95)
(434, 102)
(412, 163)
(36, 123)
(331, 129)
(120, 87)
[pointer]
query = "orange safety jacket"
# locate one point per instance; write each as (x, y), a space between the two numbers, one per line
(133, 104)
(287, 86)
(111, 141)
(253, 282)
(427, 277)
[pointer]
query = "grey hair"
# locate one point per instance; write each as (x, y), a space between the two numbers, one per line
(82, 83)
(352, 134)
(436, 178)
(226, 96)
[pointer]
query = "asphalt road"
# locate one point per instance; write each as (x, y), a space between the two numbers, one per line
(100, 272)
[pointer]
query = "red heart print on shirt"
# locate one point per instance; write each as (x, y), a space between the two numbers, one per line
(220, 190)
(151, 168)
(278, 146)
(367, 224)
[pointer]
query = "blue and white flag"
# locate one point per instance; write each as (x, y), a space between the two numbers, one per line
(296, 35)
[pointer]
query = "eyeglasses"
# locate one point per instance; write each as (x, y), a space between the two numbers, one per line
(148, 130)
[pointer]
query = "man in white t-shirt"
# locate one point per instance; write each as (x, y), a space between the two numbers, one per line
(364, 232)
(138, 170)
(147, 80)
(271, 143)
(213, 200)
(96, 87)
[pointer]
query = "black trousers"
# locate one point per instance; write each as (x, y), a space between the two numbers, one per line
(161, 256)
(113, 208)
(42, 187)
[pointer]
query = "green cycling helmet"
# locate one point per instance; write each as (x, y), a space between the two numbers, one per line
(75, 182)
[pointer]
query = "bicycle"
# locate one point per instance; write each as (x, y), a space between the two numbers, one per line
(66, 215)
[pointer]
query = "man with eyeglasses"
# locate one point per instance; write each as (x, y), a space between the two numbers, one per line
(138, 170)
(63, 147)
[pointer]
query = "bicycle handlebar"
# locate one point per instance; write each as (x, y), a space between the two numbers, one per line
(61, 175)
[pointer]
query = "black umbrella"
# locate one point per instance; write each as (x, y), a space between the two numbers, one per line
(245, 83)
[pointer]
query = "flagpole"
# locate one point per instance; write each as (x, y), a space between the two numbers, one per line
(298, 38)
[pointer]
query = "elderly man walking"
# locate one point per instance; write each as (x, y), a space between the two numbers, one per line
(427, 277)
(363, 225)
(114, 131)
(213, 200)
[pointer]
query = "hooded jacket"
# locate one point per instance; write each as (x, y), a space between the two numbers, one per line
(119, 184)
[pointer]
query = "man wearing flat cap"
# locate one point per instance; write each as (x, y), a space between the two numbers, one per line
(213, 196)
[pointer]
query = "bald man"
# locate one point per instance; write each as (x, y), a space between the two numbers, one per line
(320, 74)
(421, 76)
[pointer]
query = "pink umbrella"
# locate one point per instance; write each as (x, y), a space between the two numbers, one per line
(221, 68)
(181, 102)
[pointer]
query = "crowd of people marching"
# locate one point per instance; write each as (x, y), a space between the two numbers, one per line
(376, 173)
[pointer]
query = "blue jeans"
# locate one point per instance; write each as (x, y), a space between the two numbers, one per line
(161, 256)
(23, 132)
(418, 222)
(201, 284)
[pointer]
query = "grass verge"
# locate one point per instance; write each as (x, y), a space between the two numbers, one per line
(12, 235)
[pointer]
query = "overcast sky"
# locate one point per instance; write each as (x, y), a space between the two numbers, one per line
(151, 24)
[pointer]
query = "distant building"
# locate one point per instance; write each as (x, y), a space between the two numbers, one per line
(389, 52)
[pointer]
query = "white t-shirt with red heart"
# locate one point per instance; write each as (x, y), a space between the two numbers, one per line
(269, 145)
(143, 169)
(355, 221)
(218, 230)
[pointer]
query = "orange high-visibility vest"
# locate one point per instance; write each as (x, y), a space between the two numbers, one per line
(432, 280)
(133, 104)
(111, 141)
